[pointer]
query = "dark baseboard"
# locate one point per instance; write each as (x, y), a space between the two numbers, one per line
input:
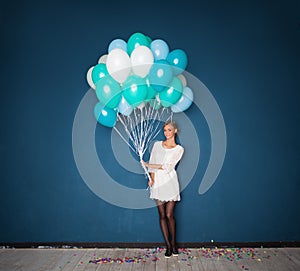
(147, 245)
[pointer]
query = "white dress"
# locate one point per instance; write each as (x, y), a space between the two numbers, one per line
(166, 185)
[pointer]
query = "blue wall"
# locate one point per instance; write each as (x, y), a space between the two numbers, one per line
(245, 52)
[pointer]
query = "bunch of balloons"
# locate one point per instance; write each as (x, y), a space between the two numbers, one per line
(138, 72)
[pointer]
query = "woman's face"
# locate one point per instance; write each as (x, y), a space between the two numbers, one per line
(169, 131)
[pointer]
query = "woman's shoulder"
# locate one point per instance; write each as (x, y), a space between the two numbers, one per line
(180, 147)
(177, 148)
(158, 143)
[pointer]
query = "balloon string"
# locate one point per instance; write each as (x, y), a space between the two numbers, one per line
(125, 125)
(143, 166)
(124, 139)
(142, 126)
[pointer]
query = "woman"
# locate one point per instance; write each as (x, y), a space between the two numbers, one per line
(164, 183)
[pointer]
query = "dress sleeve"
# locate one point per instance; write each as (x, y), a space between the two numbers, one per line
(152, 159)
(170, 165)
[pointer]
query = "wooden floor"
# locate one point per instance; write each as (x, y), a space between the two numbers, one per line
(73, 259)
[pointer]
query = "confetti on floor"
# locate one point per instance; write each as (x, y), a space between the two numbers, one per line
(185, 255)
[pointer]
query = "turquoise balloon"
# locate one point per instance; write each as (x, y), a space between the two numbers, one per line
(184, 102)
(155, 104)
(151, 92)
(108, 92)
(160, 75)
(99, 71)
(149, 39)
(105, 115)
(160, 49)
(135, 40)
(117, 43)
(178, 59)
(172, 93)
(135, 90)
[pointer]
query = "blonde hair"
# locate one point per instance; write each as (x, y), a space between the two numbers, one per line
(173, 124)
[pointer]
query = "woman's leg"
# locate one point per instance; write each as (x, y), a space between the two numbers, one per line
(170, 206)
(163, 222)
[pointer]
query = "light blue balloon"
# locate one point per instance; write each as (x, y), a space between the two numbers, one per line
(124, 107)
(160, 49)
(178, 59)
(118, 43)
(184, 102)
(105, 115)
(160, 75)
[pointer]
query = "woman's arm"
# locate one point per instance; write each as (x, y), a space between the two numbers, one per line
(168, 166)
(150, 183)
(154, 166)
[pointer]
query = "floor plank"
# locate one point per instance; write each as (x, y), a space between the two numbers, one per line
(138, 258)
(84, 260)
(290, 257)
(64, 259)
(150, 260)
(127, 266)
(101, 265)
(205, 259)
(194, 259)
(161, 263)
(293, 254)
(7, 259)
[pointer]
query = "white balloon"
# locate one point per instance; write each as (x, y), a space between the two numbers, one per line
(102, 59)
(182, 79)
(89, 78)
(141, 60)
(118, 65)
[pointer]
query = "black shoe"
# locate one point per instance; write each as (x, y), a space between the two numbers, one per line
(175, 252)
(168, 253)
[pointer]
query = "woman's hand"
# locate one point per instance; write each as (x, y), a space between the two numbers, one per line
(150, 183)
(144, 163)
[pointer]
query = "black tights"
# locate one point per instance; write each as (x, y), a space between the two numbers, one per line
(167, 222)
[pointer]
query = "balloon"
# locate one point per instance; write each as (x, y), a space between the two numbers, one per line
(102, 59)
(141, 105)
(160, 75)
(171, 94)
(155, 103)
(117, 43)
(135, 90)
(182, 78)
(108, 92)
(184, 102)
(99, 72)
(118, 64)
(141, 60)
(124, 107)
(135, 40)
(105, 115)
(178, 59)
(89, 78)
(160, 49)
(151, 92)
(148, 39)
